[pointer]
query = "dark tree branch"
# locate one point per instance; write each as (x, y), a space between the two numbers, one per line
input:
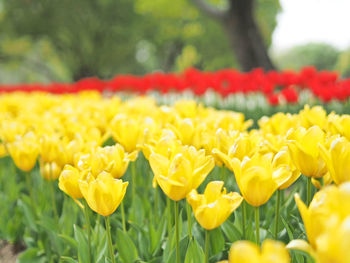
(210, 10)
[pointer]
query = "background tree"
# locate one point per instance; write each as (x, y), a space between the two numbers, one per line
(238, 19)
(322, 56)
(64, 40)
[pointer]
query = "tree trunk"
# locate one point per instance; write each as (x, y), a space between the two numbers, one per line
(243, 32)
(245, 37)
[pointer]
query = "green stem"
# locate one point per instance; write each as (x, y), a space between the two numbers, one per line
(206, 247)
(308, 193)
(156, 203)
(110, 245)
(133, 178)
(277, 214)
(123, 216)
(88, 229)
(177, 234)
(243, 219)
(223, 173)
(29, 186)
(189, 214)
(52, 193)
(257, 225)
(168, 204)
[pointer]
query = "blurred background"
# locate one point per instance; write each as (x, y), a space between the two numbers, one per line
(65, 40)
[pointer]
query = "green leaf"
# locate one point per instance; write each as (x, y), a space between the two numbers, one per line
(156, 235)
(217, 241)
(68, 260)
(101, 248)
(69, 240)
(230, 231)
(183, 246)
(81, 239)
(194, 253)
(28, 213)
(126, 247)
(31, 255)
(289, 231)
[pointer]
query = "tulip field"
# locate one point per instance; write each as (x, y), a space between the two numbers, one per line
(97, 172)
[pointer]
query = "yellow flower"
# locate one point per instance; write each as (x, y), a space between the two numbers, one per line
(339, 124)
(279, 123)
(52, 150)
(69, 181)
(184, 130)
(103, 194)
(229, 121)
(313, 116)
(11, 129)
(112, 159)
(3, 151)
(126, 131)
(303, 147)
(212, 208)
(245, 145)
(187, 108)
(164, 145)
(50, 171)
(283, 160)
(247, 252)
(24, 151)
(337, 159)
(119, 159)
(260, 176)
(179, 174)
(327, 225)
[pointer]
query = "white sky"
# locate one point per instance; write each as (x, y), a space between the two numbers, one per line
(304, 21)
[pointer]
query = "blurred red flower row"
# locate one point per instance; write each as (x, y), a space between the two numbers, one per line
(277, 86)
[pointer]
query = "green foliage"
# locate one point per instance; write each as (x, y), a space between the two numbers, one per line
(343, 63)
(320, 55)
(67, 40)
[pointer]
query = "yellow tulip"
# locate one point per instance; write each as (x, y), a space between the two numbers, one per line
(341, 124)
(244, 145)
(333, 244)
(24, 151)
(260, 176)
(337, 159)
(179, 174)
(212, 208)
(303, 147)
(11, 129)
(111, 159)
(279, 123)
(119, 158)
(68, 181)
(283, 160)
(247, 252)
(313, 116)
(184, 130)
(187, 108)
(52, 150)
(103, 194)
(327, 225)
(231, 121)
(3, 151)
(126, 131)
(164, 145)
(50, 171)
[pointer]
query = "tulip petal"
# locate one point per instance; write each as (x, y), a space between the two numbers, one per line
(302, 245)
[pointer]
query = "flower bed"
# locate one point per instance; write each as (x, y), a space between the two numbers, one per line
(92, 178)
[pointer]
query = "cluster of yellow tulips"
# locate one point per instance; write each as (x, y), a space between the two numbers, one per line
(67, 135)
